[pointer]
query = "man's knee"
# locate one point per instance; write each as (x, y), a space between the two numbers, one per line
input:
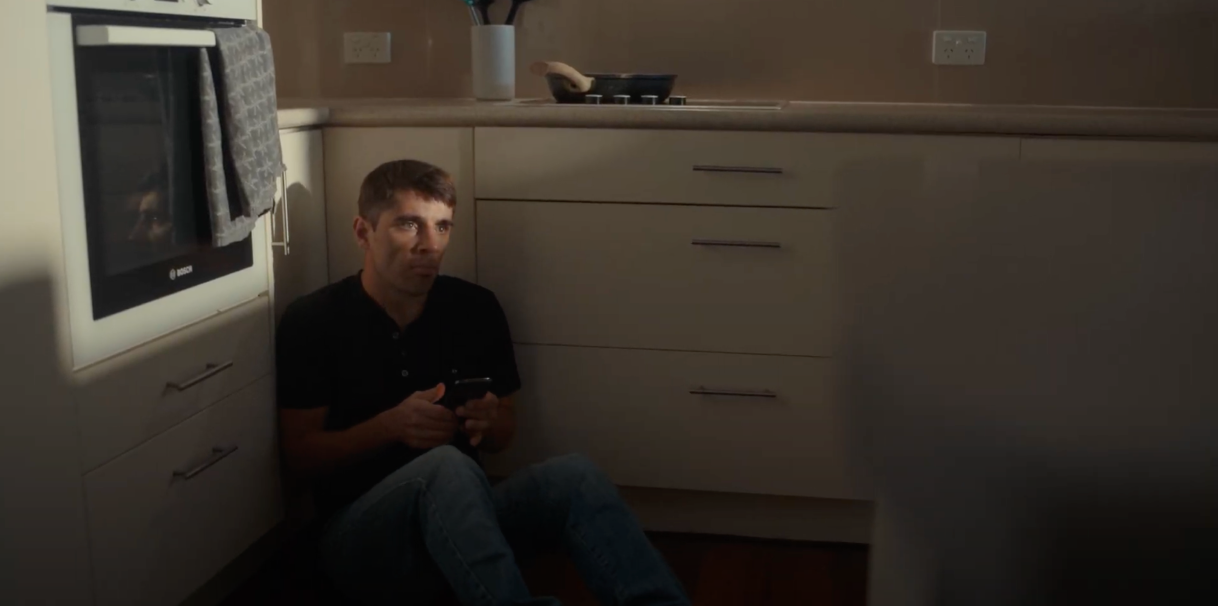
(445, 461)
(574, 470)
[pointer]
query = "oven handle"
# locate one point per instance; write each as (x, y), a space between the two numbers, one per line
(283, 210)
(126, 35)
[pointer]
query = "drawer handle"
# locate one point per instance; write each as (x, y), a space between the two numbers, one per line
(751, 170)
(736, 243)
(765, 393)
(212, 370)
(217, 454)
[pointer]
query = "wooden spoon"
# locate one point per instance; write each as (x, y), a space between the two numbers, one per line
(575, 81)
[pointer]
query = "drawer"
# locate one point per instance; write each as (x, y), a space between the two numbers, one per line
(128, 399)
(698, 167)
(156, 536)
(661, 277)
(633, 413)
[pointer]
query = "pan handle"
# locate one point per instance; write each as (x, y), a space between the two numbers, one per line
(577, 82)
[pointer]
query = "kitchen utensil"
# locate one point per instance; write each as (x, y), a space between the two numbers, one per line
(568, 85)
(474, 14)
(511, 18)
(484, 7)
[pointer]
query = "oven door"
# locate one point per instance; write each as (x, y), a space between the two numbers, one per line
(137, 232)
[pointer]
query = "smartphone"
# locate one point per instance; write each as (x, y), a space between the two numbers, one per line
(465, 390)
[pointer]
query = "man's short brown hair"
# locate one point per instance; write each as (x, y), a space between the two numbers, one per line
(404, 176)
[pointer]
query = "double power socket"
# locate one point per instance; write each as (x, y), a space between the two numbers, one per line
(367, 47)
(959, 48)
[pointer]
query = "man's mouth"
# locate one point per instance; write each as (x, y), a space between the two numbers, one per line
(425, 269)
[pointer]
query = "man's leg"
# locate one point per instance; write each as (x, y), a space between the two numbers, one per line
(569, 502)
(429, 522)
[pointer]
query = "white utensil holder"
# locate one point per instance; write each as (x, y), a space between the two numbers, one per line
(494, 62)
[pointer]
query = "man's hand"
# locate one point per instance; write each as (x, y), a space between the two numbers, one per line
(479, 416)
(419, 422)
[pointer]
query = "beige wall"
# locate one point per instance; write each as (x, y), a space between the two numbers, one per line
(1073, 52)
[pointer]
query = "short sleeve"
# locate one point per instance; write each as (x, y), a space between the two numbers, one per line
(502, 360)
(300, 378)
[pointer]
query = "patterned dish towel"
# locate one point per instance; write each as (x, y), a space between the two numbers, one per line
(241, 153)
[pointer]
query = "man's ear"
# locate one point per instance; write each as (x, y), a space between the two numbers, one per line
(363, 231)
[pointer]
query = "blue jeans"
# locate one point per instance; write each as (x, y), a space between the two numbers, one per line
(437, 524)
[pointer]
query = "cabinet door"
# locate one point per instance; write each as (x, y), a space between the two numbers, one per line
(167, 516)
(303, 267)
(352, 153)
(704, 167)
(688, 421)
(738, 280)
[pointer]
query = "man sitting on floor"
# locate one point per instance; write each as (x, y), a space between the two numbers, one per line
(363, 368)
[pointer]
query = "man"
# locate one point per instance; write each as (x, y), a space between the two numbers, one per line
(363, 367)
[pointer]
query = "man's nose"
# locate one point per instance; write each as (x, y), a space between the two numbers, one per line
(429, 239)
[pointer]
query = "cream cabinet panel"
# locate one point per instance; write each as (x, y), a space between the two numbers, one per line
(744, 280)
(169, 515)
(697, 167)
(304, 267)
(1110, 151)
(351, 153)
(775, 430)
(131, 398)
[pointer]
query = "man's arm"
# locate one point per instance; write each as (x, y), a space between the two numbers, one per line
(310, 450)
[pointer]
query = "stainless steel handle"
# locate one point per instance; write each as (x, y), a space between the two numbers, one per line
(126, 35)
(702, 391)
(736, 243)
(212, 370)
(753, 170)
(218, 453)
(285, 211)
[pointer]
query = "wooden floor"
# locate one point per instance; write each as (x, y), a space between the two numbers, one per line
(716, 571)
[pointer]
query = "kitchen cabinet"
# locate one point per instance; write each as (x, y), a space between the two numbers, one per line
(636, 267)
(304, 267)
(351, 153)
(736, 280)
(1108, 151)
(700, 167)
(684, 420)
(44, 556)
(168, 515)
(132, 398)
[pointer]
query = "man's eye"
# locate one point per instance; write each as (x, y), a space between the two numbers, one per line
(408, 224)
(444, 228)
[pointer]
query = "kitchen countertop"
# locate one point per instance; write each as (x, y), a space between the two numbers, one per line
(796, 116)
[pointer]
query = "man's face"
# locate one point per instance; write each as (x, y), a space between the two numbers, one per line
(407, 243)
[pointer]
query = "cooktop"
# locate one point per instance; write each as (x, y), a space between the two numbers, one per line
(675, 102)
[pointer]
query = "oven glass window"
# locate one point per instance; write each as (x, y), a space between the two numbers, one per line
(146, 209)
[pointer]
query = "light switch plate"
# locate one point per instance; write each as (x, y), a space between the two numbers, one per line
(959, 48)
(366, 47)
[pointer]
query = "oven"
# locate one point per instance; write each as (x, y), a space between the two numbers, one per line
(138, 254)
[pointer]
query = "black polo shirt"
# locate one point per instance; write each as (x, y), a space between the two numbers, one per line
(338, 348)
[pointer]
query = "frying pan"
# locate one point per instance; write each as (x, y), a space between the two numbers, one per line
(568, 85)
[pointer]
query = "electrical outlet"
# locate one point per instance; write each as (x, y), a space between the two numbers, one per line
(366, 47)
(959, 48)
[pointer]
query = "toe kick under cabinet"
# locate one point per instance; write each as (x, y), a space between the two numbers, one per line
(672, 295)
